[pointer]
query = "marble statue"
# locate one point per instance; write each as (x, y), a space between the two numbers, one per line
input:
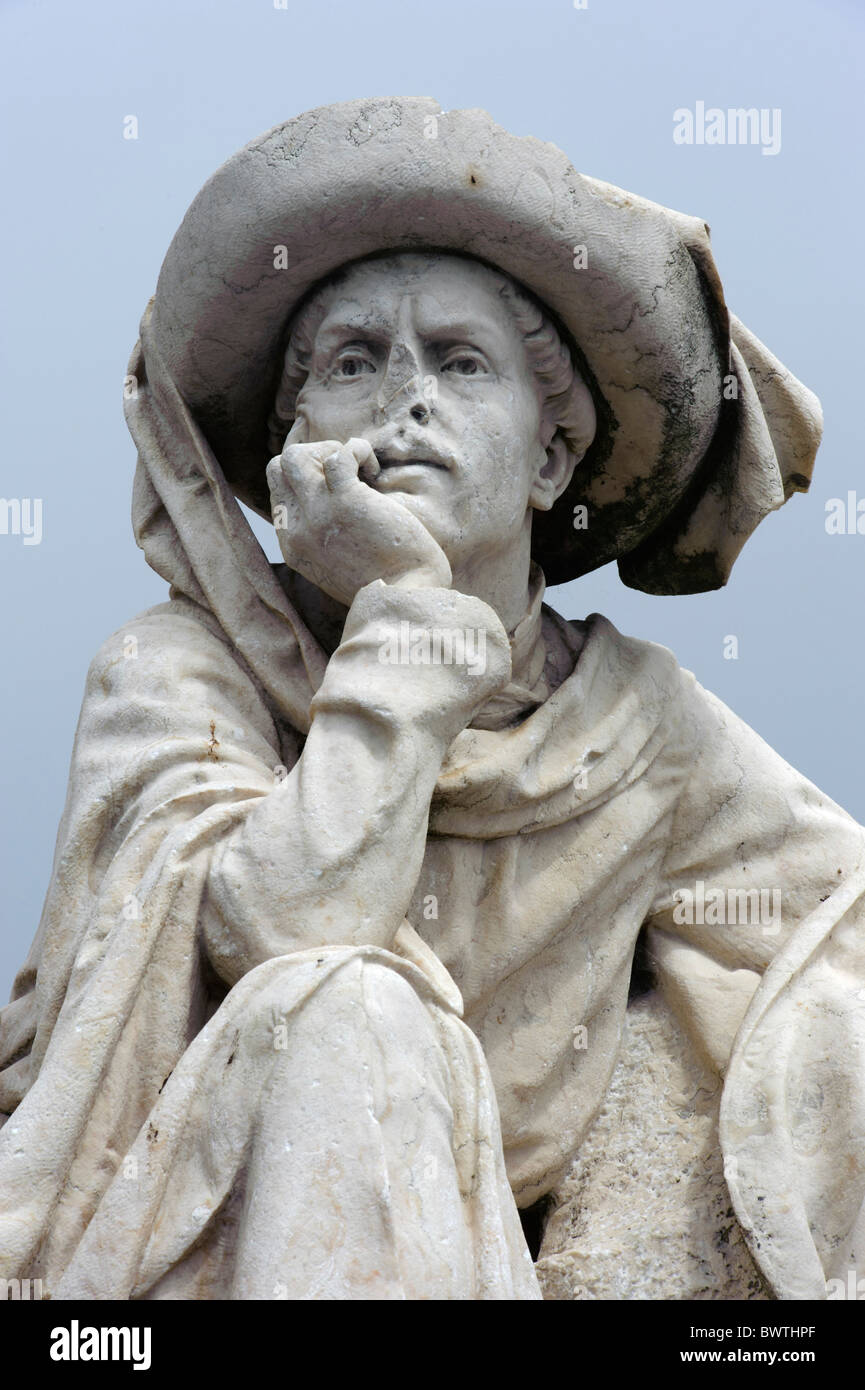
(404, 939)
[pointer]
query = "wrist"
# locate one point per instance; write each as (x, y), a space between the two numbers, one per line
(424, 577)
(427, 657)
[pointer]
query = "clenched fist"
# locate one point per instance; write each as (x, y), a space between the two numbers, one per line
(336, 530)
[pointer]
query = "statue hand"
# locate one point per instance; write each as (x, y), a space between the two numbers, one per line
(337, 531)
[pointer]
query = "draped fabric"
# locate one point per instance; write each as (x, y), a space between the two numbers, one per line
(581, 803)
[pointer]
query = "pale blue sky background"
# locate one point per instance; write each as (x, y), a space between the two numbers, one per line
(89, 216)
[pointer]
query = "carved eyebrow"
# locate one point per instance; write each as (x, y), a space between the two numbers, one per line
(354, 330)
(461, 330)
(359, 328)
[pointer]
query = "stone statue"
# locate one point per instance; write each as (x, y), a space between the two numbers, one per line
(388, 906)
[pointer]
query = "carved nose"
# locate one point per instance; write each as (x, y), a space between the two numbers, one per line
(402, 386)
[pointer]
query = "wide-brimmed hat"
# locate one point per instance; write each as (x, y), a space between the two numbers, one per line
(701, 432)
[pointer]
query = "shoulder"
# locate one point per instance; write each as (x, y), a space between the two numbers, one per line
(170, 656)
(599, 648)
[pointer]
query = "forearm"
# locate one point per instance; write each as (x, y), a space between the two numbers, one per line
(332, 855)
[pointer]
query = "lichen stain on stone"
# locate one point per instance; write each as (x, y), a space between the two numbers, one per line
(213, 744)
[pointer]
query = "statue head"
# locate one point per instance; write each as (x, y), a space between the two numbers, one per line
(700, 430)
(458, 380)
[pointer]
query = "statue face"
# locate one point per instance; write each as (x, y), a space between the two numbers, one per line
(417, 354)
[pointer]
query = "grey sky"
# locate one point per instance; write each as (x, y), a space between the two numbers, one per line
(89, 216)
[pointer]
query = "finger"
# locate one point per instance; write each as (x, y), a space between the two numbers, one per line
(284, 474)
(302, 465)
(340, 468)
(363, 452)
(274, 474)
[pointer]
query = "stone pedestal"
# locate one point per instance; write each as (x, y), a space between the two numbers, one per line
(644, 1213)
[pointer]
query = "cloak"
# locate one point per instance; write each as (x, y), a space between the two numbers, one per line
(585, 802)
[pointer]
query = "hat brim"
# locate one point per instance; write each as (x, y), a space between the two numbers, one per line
(642, 302)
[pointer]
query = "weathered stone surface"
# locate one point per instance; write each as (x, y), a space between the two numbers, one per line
(645, 1210)
(334, 964)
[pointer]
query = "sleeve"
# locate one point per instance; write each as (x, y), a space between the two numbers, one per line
(313, 864)
(172, 739)
(175, 751)
(758, 934)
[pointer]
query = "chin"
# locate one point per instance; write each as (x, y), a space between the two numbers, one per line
(460, 543)
(426, 511)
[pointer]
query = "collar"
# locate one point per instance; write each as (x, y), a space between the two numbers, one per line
(534, 664)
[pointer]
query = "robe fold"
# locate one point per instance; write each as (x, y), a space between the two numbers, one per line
(135, 1163)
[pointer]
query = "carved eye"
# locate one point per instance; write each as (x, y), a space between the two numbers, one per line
(465, 364)
(352, 363)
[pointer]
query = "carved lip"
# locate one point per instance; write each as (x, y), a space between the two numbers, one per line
(388, 459)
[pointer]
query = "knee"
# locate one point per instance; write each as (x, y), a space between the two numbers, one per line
(368, 998)
(341, 997)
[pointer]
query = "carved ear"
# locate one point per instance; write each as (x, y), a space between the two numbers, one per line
(554, 474)
(582, 422)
